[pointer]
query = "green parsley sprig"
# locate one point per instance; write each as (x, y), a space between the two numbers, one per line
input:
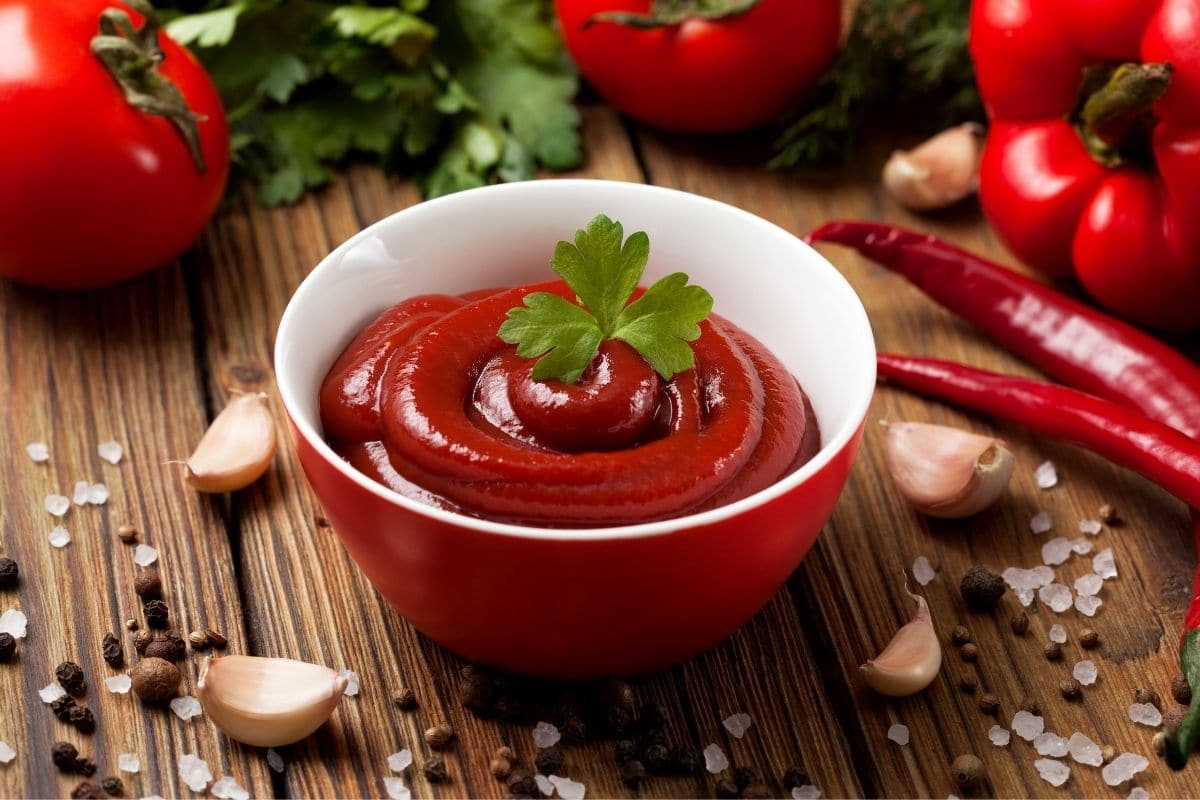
(603, 269)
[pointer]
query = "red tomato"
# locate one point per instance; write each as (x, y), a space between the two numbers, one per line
(93, 190)
(703, 76)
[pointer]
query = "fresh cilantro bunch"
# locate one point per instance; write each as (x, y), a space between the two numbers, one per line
(458, 92)
(603, 269)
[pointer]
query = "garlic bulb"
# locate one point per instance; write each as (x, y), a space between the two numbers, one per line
(947, 472)
(237, 448)
(267, 702)
(938, 172)
(911, 660)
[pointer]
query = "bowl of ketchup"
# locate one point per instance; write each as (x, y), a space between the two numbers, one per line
(616, 525)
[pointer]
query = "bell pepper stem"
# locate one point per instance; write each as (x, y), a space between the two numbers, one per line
(1181, 742)
(1116, 110)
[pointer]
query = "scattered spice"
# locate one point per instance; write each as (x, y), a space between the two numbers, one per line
(1108, 514)
(62, 706)
(960, 635)
(85, 790)
(85, 766)
(166, 645)
(1053, 651)
(969, 652)
(112, 786)
(132, 624)
(500, 768)
(521, 782)
(405, 699)
(572, 726)
(216, 638)
(989, 703)
(157, 614)
(148, 585)
(110, 648)
(1031, 706)
(1181, 690)
(968, 683)
(758, 791)
(127, 533)
(624, 750)
(1148, 696)
(70, 677)
(1019, 623)
(155, 680)
(1088, 639)
(550, 760)
(1107, 753)
(198, 640)
(1070, 689)
(745, 776)
(632, 773)
(727, 789)
(439, 736)
(1173, 717)
(141, 640)
(968, 773)
(9, 573)
(981, 588)
(8, 647)
(1159, 743)
(63, 755)
(82, 718)
(795, 777)
(435, 769)
(620, 706)
(505, 752)
(657, 758)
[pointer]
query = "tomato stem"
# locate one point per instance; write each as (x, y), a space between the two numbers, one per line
(668, 13)
(1115, 117)
(132, 56)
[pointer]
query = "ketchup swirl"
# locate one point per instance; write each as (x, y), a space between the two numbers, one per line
(428, 401)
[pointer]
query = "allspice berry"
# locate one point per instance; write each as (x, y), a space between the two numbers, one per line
(1070, 689)
(981, 588)
(968, 773)
(1088, 639)
(1181, 690)
(405, 699)
(141, 640)
(989, 703)
(439, 736)
(166, 645)
(1019, 623)
(1053, 651)
(148, 585)
(960, 635)
(969, 652)
(155, 680)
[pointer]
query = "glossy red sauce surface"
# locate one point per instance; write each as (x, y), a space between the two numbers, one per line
(428, 401)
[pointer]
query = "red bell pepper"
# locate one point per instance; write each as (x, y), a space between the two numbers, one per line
(1092, 160)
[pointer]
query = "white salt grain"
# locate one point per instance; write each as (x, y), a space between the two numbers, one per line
(738, 724)
(80, 495)
(1081, 546)
(1041, 522)
(1145, 714)
(545, 735)
(194, 772)
(396, 788)
(1025, 596)
(999, 736)
(51, 692)
(97, 494)
(1056, 551)
(1050, 744)
(14, 623)
(1091, 527)
(118, 684)
(274, 760)
(7, 754)
(806, 792)
(186, 707)
(59, 537)
(38, 452)
(922, 571)
(715, 760)
(568, 789)
(57, 504)
(129, 762)
(1137, 793)
(351, 677)
(1123, 767)
(226, 788)
(1084, 750)
(110, 451)
(1058, 634)
(1087, 605)
(899, 734)
(1027, 725)
(1089, 584)
(144, 555)
(1046, 475)
(1057, 596)
(1104, 565)
(544, 785)
(1085, 672)
(400, 760)
(1053, 772)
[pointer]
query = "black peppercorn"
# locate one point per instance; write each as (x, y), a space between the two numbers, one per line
(1181, 690)
(632, 772)
(573, 728)
(757, 791)
(656, 758)
(520, 781)
(8, 647)
(112, 786)
(9, 573)
(744, 776)
(960, 635)
(70, 677)
(549, 760)
(63, 754)
(85, 791)
(624, 750)
(62, 706)
(110, 648)
(684, 759)
(727, 789)
(981, 588)
(83, 720)
(794, 777)
(148, 585)
(85, 767)
(435, 769)
(157, 614)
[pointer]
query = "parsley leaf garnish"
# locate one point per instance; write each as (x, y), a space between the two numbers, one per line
(603, 269)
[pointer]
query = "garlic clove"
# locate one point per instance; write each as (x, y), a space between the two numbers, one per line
(937, 173)
(267, 702)
(947, 472)
(237, 448)
(911, 660)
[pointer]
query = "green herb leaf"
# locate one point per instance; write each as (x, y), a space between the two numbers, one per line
(603, 269)
(208, 29)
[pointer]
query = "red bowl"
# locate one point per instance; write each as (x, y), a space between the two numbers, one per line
(591, 602)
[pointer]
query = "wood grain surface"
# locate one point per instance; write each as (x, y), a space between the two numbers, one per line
(149, 362)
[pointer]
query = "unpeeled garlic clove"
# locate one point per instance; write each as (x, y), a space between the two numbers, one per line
(911, 660)
(937, 173)
(237, 448)
(267, 702)
(946, 472)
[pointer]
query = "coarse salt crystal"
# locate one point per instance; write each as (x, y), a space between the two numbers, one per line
(806, 792)
(568, 789)
(194, 771)
(922, 571)
(80, 495)
(98, 495)
(14, 623)
(1058, 634)
(1084, 750)
(1088, 604)
(544, 785)
(1123, 767)
(38, 452)
(1046, 475)
(1081, 546)
(1104, 564)
(1050, 744)
(1053, 772)
(395, 787)
(352, 685)
(1085, 672)
(1041, 522)
(129, 762)
(1088, 584)
(715, 760)
(1025, 596)
(1027, 725)
(400, 760)
(57, 504)
(118, 684)
(274, 760)
(110, 451)
(1056, 551)
(1090, 526)
(738, 724)
(186, 707)
(1057, 596)
(7, 754)
(1137, 793)
(1145, 714)
(545, 735)
(51, 692)
(226, 788)
(59, 537)
(144, 555)
(899, 734)
(999, 736)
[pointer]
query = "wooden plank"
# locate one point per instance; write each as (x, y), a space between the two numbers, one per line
(307, 600)
(850, 586)
(80, 369)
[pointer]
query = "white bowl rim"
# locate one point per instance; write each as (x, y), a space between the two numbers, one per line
(829, 447)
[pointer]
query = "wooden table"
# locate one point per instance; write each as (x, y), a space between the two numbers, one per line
(150, 362)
